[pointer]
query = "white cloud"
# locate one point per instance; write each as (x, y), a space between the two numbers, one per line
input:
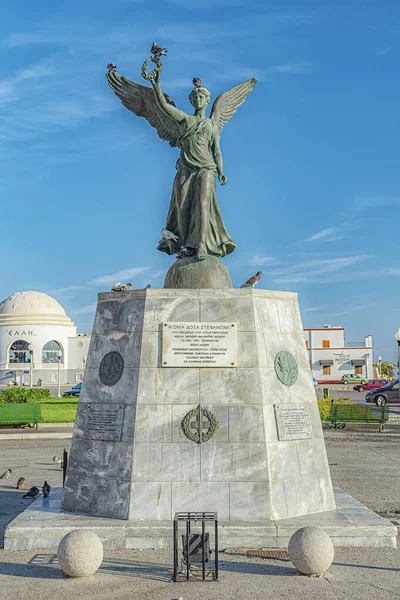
(294, 68)
(86, 309)
(158, 274)
(314, 309)
(67, 288)
(392, 271)
(119, 276)
(325, 234)
(364, 202)
(260, 261)
(313, 270)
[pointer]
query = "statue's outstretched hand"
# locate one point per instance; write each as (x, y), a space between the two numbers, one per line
(223, 179)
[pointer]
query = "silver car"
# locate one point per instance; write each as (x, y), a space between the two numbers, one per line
(387, 393)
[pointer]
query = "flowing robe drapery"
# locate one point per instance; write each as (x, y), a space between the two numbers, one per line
(194, 214)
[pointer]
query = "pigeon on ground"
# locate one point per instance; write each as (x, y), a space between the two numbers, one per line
(168, 235)
(32, 493)
(121, 287)
(46, 490)
(6, 474)
(112, 68)
(56, 460)
(20, 483)
(253, 280)
(157, 51)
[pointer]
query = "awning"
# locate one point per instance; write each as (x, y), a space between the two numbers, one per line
(326, 362)
(357, 362)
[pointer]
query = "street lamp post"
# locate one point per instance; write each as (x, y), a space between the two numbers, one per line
(59, 355)
(30, 348)
(380, 366)
(397, 338)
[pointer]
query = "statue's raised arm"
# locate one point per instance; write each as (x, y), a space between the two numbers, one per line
(143, 102)
(227, 103)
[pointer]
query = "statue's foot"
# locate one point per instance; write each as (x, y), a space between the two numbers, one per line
(201, 253)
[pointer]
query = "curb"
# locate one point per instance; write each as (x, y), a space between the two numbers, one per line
(36, 436)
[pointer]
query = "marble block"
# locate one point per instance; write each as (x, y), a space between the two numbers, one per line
(151, 464)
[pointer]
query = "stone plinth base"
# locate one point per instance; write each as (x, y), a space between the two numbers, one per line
(43, 525)
(264, 460)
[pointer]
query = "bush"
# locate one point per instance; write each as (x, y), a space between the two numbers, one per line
(325, 407)
(21, 395)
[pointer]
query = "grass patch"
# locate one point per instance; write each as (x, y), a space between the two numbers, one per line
(59, 410)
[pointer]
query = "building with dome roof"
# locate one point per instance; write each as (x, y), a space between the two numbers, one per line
(36, 332)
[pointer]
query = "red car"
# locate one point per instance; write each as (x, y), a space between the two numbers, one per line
(370, 385)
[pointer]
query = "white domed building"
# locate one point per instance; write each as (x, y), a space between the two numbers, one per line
(36, 331)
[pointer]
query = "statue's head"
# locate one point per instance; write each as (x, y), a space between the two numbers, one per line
(199, 96)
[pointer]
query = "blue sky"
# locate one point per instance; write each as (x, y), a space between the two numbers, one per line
(311, 157)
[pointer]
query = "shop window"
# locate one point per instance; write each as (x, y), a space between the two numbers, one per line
(326, 344)
(19, 353)
(326, 369)
(358, 370)
(51, 351)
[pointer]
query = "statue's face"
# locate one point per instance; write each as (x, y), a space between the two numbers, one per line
(198, 100)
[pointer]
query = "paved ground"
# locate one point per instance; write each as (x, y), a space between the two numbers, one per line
(368, 469)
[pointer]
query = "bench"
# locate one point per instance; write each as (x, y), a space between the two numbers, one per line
(21, 414)
(354, 413)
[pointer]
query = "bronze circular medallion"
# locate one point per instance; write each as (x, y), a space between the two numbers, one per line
(111, 368)
(199, 425)
(286, 368)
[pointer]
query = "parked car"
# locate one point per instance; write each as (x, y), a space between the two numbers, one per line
(353, 378)
(384, 394)
(75, 391)
(370, 385)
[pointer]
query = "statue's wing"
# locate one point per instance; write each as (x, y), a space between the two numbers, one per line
(141, 101)
(227, 103)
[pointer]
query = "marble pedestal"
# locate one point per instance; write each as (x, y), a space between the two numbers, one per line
(42, 526)
(149, 471)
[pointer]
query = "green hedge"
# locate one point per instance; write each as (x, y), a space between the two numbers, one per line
(21, 395)
(325, 407)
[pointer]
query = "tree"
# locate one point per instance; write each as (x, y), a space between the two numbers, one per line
(386, 369)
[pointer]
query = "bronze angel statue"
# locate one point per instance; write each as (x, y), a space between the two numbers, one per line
(194, 225)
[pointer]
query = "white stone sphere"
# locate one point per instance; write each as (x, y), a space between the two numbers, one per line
(80, 553)
(311, 550)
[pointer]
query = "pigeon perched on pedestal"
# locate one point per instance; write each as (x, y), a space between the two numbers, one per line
(6, 474)
(32, 493)
(168, 235)
(20, 483)
(253, 280)
(46, 490)
(121, 287)
(157, 52)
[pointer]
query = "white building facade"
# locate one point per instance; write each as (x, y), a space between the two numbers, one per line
(38, 340)
(330, 358)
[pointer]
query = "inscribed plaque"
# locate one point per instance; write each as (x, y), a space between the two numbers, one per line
(293, 421)
(103, 421)
(196, 344)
